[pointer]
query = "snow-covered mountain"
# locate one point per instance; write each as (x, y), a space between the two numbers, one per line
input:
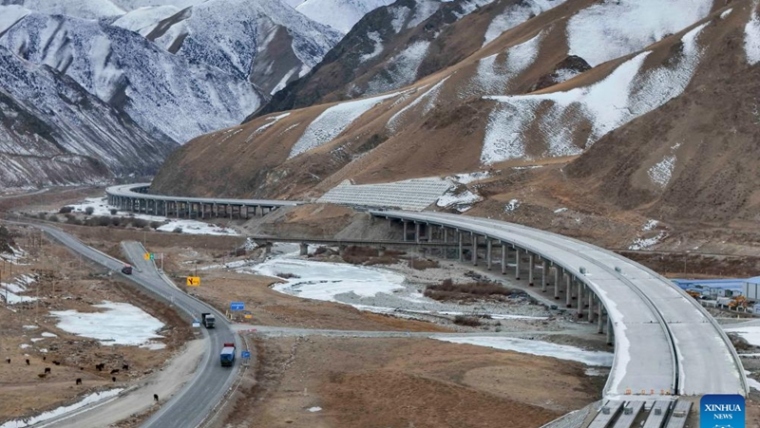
(340, 15)
(53, 131)
(174, 68)
(536, 82)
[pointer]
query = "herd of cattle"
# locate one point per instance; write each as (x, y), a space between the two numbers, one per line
(99, 367)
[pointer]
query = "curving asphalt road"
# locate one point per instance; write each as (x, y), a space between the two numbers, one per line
(197, 399)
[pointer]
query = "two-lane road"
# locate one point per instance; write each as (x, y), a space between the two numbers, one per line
(196, 401)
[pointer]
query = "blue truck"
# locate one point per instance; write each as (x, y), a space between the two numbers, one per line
(228, 355)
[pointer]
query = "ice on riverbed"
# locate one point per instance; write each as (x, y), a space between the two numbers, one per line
(536, 347)
(120, 324)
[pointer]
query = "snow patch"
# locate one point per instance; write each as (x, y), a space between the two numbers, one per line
(644, 243)
(462, 201)
(332, 122)
(271, 120)
(48, 334)
(650, 225)
(341, 15)
(89, 399)
(400, 70)
(120, 324)
(536, 347)
(752, 39)
(751, 334)
(515, 15)
(431, 95)
(493, 76)
(314, 409)
(560, 210)
(661, 172)
(609, 30)
(10, 15)
(376, 50)
(511, 205)
(725, 13)
(623, 95)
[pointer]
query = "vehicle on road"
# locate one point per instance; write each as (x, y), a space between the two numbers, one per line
(208, 320)
(228, 355)
(127, 270)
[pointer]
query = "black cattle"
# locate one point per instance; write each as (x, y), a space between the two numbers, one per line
(41, 375)
(47, 369)
(99, 367)
(155, 398)
(44, 358)
(79, 381)
(8, 360)
(27, 362)
(57, 363)
(125, 367)
(113, 379)
(114, 371)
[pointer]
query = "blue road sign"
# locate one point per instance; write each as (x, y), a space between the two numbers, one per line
(237, 306)
(246, 354)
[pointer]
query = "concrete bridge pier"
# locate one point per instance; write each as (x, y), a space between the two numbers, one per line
(544, 268)
(610, 333)
(503, 258)
(556, 282)
(517, 263)
(268, 248)
(445, 232)
(474, 249)
(591, 307)
(568, 292)
(406, 229)
(531, 268)
(580, 299)
(417, 232)
(461, 249)
(304, 250)
(488, 253)
(600, 318)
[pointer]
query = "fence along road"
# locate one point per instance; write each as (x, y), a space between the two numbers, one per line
(663, 338)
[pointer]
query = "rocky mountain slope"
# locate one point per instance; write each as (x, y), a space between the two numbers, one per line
(169, 69)
(631, 106)
(54, 132)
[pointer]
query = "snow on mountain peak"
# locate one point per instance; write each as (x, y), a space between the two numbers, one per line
(340, 15)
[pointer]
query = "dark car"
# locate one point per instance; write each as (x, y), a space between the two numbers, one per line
(126, 270)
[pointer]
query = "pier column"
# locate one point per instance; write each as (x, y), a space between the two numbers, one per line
(268, 248)
(600, 318)
(445, 234)
(503, 258)
(517, 263)
(488, 253)
(474, 249)
(531, 267)
(568, 292)
(417, 233)
(544, 267)
(609, 330)
(461, 249)
(405, 229)
(580, 299)
(304, 249)
(590, 306)
(556, 282)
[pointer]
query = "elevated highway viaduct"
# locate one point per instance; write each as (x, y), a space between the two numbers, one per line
(665, 343)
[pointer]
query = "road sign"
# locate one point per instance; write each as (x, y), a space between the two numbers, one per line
(193, 281)
(152, 256)
(237, 306)
(246, 354)
(146, 256)
(248, 316)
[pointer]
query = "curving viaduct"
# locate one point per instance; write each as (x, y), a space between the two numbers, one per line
(665, 343)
